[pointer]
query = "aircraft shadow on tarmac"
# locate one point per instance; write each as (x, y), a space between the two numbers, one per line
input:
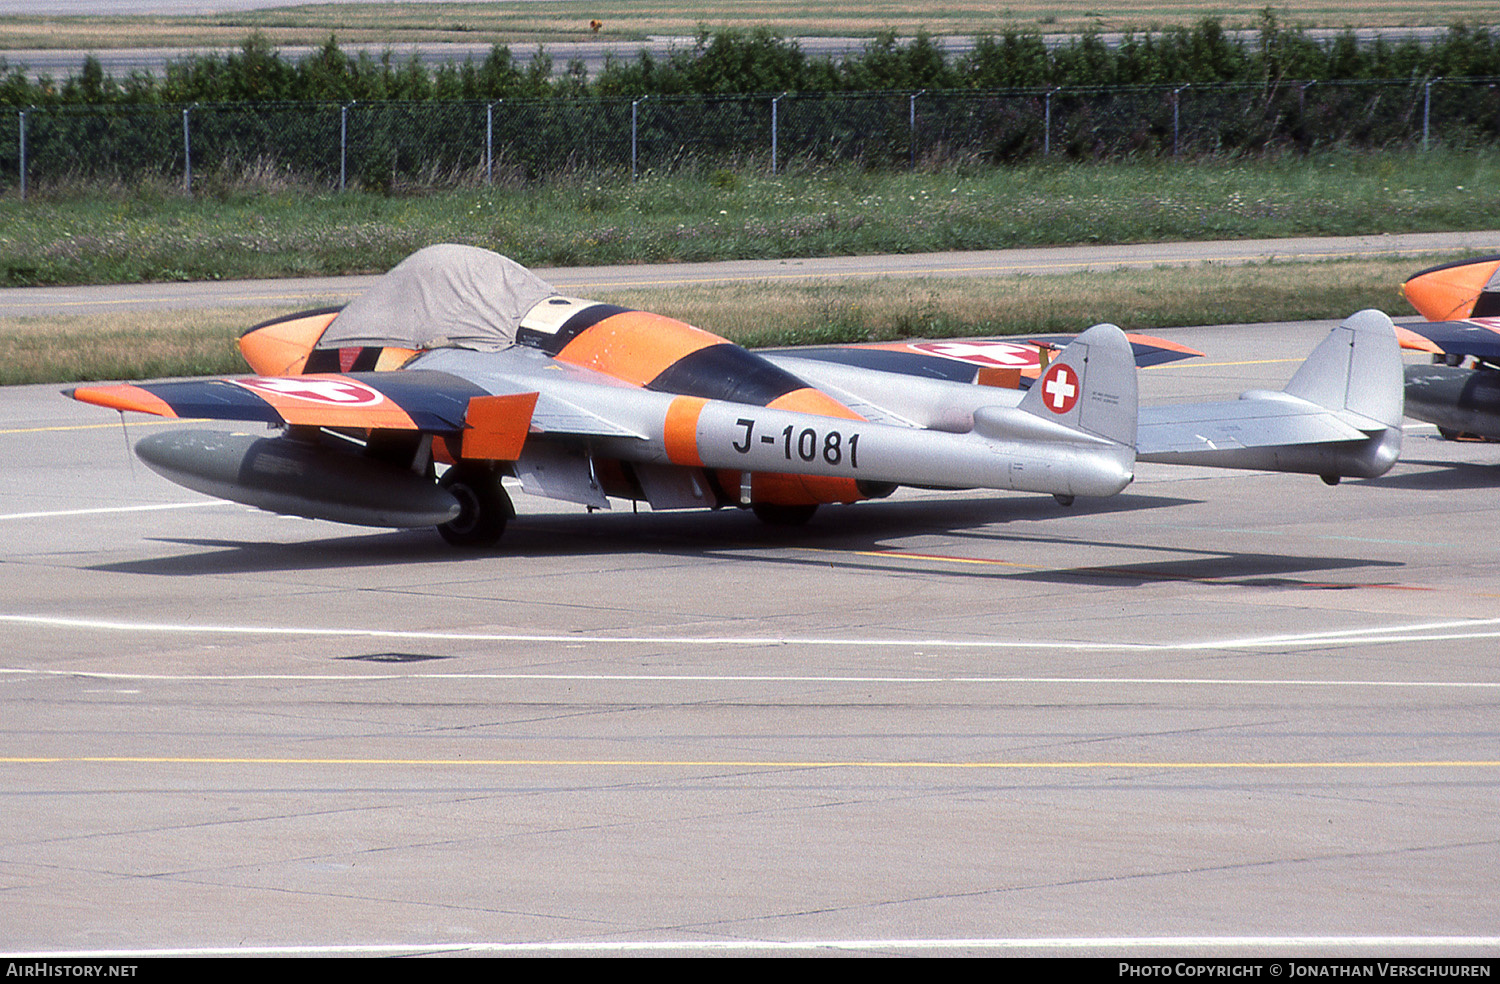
(1245, 570)
(838, 538)
(1439, 476)
(688, 533)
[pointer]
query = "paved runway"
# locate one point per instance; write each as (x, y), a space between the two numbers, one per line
(1220, 713)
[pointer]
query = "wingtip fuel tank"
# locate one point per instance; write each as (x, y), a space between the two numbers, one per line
(298, 478)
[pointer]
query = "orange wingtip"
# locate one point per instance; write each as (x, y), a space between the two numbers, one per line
(1417, 343)
(124, 397)
(1162, 343)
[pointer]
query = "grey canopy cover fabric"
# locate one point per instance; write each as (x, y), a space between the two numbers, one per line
(441, 296)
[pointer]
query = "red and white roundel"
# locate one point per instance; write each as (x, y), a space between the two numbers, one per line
(1059, 388)
(1003, 355)
(327, 390)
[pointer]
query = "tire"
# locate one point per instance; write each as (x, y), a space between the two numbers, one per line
(484, 507)
(774, 514)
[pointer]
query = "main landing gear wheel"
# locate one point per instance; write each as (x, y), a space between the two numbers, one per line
(484, 507)
(774, 514)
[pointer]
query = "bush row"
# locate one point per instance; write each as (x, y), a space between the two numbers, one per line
(733, 62)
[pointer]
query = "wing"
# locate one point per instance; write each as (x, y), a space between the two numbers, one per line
(412, 400)
(487, 425)
(986, 361)
(1478, 337)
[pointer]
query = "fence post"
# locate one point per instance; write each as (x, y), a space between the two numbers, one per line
(773, 131)
(1176, 107)
(633, 118)
(911, 125)
(23, 155)
(343, 144)
(489, 143)
(1427, 109)
(187, 154)
(1047, 126)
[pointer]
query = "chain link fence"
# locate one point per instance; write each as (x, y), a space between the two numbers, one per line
(436, 144)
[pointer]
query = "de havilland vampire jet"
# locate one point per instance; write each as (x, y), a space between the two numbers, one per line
(460, 367)
(1462, 304)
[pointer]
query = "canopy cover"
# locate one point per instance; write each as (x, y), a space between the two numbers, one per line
(444, 296)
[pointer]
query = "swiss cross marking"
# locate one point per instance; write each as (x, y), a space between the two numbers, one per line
(1060, 388)
(329, 390)
(990, 354)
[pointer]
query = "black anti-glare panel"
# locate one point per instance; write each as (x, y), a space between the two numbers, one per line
(889, 360)
(726, 372)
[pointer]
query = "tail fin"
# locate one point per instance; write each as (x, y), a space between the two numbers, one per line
(1090, 387)
(1454, 291)
(1356, 369)
(1074, 431)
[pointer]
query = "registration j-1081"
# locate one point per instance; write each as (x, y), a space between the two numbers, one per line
(806, 443)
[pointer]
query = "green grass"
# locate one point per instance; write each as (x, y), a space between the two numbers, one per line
(69, 236)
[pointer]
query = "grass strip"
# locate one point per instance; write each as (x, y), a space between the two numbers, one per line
(138, 345)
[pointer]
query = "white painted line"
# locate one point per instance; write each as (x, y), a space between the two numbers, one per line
(1488, 628)
(113, 509)
(625, 946)
(738, 678)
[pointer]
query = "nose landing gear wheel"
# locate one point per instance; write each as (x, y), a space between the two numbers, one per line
(484, 507)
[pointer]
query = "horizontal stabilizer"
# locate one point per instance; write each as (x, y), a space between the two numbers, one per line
(1262, 421)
